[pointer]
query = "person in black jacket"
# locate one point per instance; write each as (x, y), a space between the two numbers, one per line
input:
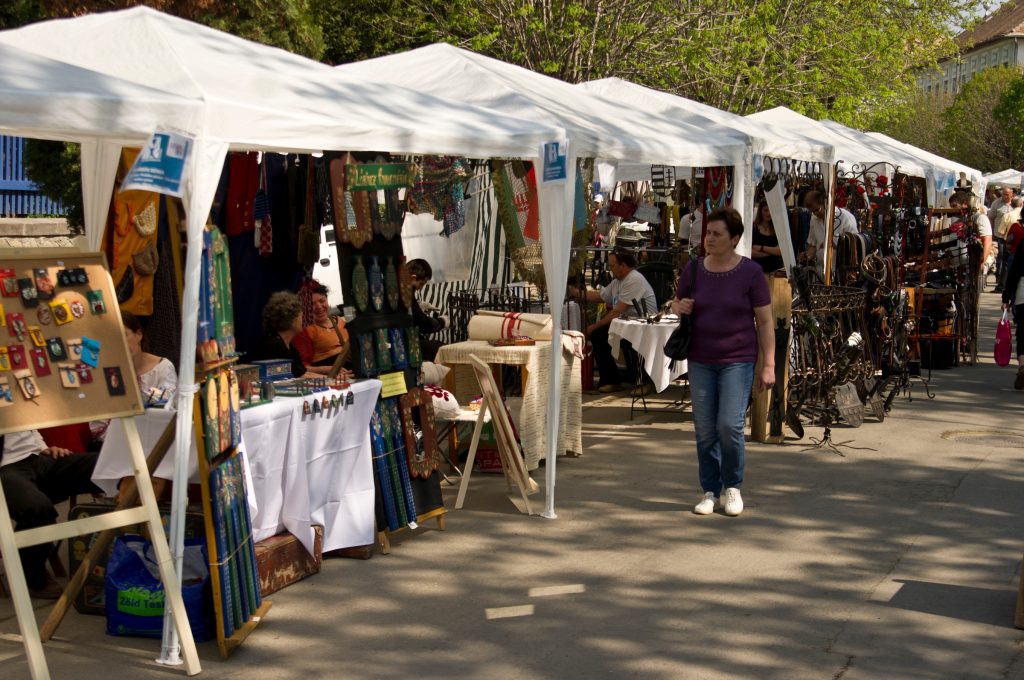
(35, 477)
(421, 273)
(282, 321)
(1013, 294)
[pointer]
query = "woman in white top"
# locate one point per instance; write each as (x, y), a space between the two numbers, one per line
(154, 373)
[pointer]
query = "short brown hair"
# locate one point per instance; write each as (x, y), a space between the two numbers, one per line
(814, 200)
(280, 310)
(623, 256)
(731, 218)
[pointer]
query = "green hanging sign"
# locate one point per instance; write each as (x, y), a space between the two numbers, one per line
(373, 176)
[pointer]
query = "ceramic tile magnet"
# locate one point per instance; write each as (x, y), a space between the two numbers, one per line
(27, 384)
(8, 283)
(115, 382)
(74, 346)
(56, 349)
(29, 294)
(61, 311)
(68, 375)
(40, 364)
(16, 353)
(90, 352)
(96, 303)
(44, 285)
(6, 396)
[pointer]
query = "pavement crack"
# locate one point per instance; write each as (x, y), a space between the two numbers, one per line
(846, 666)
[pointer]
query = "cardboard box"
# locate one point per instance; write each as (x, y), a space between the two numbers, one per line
(282, 560)
(91, 599)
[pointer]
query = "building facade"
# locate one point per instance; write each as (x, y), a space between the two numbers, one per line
(996, 41)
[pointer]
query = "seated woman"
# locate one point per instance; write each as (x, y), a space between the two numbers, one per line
(322, 342)
(155, 374)
(282, 321)
(765, 244)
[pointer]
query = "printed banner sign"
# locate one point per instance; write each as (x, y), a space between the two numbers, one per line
(554, 162)
(161, 164)
(373, 176)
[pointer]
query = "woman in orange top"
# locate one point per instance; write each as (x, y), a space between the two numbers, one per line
(319, 344)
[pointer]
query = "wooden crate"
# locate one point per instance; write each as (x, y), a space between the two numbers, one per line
(282, 560)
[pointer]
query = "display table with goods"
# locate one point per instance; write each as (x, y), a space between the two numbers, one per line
(648, 339)
(535, 361)
(302, 469)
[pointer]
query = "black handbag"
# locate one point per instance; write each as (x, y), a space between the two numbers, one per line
(678, 345)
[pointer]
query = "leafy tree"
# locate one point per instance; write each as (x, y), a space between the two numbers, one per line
(916, 119)
(1010, 114)
(56, 167)
(973, 134)
(355, 30)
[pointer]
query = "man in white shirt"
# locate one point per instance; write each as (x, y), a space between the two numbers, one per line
(961, 199)
(35, 477)
(628, 285)
(1005, 211)
(842, 223)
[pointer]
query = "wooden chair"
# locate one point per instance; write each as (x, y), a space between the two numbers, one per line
(512, 464)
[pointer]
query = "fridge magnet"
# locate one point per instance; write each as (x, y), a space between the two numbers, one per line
(44, 315)
(40, 364)
(84, 373)
(90, 352)
(27, 384)
(16, 354)
(6, 396)
(68, 375)
(56, 349)
(74, 346)
(61, 311)
(29, 294)
(44, 284)
(36, 334)
(16, 325)
(96, 304)
(115, 383)
(8, 283)
(77, 308)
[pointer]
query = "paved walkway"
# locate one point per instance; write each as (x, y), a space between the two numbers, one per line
(897, 562)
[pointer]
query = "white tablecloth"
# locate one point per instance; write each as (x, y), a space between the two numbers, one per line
(648, 339)
(536, 359)
(305, 469)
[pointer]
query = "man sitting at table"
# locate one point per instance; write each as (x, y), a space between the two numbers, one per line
(628, 285)
(35, 477)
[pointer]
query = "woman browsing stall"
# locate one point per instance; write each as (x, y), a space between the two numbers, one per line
(282, 321)
(730, 293)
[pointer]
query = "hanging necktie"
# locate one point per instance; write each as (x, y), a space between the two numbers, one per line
(261, 213)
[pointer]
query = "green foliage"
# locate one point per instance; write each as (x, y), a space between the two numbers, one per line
(14, 13)
(973, 134)
(57, 168)
(355, 30)
(916, 119)
(1010, 114)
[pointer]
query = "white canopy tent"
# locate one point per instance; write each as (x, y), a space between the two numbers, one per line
(1008, 177)
(594, 127)
(761, 139)
(236, 94)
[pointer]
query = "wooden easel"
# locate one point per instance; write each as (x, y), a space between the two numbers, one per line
(147, 513)
(512, 464)
(99, 398)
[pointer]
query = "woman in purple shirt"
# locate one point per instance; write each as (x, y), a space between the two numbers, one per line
(730, 292)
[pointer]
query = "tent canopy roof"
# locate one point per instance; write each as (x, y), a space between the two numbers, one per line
(938, 162)
(257, 96)
(764, 138)
(1008, 177)
(596, 127)
(48, 99)
(852, 147)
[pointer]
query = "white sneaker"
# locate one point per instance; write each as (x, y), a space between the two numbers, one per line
(706, 506)
(732, 501)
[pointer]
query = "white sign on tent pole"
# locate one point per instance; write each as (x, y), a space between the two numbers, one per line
(160, 165)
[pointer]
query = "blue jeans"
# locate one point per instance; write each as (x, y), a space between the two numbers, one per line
(720, 395)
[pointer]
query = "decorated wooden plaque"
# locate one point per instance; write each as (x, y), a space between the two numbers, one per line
(421, 462)
(70, 364)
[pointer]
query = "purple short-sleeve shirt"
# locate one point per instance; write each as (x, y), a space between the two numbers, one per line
(723, 312)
